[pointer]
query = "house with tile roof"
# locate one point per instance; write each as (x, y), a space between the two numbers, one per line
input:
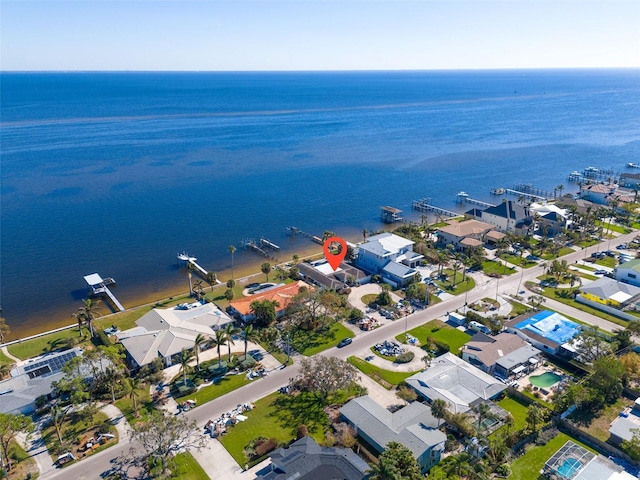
(504, 355)
(458, 383)
(628, 272)
(164, 332)
(390, 256)
(465, 234)
(282, 294)
(304, 459)
(413, 426)
(598, 193)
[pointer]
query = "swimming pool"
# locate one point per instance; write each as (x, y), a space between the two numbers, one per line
(545, 380)
(569, 468)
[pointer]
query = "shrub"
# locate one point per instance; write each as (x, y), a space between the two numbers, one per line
(246, 363)
(407, 394)
(303, 431)
(440, 347)
(266, 447)
(503, 470)
(405, 357)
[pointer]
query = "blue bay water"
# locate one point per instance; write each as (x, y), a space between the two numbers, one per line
(117, 172)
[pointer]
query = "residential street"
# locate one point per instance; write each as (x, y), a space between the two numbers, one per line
(94, 466)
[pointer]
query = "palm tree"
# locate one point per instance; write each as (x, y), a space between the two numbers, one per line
(232, 250)
(364, 234)
(230, 330)
(133, 385)
(199, 340)
(211, 278)
(266, 269)
(87, 314)
(218, 340)
(295, 259)
(198, 289)
(186, 355)
(439, 409)
(250, 334)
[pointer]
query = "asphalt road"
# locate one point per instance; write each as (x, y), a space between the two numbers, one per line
(95, 466)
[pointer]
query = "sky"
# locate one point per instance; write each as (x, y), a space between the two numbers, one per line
(238, 35)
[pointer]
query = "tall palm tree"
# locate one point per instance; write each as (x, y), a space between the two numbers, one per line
(218, 340)
(230, 330)
(232, 250)
(199, 340)
(250, 334)
(186, 355)
(133, 385)
(87, 314)
(439, 409)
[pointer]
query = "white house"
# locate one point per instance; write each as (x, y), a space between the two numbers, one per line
(507, 216)
(390, 256)
(628, 272)
(164, 333)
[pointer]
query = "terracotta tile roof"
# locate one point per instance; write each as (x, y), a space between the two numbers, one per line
(282, 295)
(466, 228)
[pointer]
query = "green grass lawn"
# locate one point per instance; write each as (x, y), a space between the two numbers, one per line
(4, 360)
(613, 227)
(490, 267)
(311, 342)
(520, 261)
(369, 298)
(607, 261)
(439, 331)
(518, 308)
(143, 403)
(528, 466)
(517, 409)
(224, 385)
(460, 286)
(386, 378)
(563, 251)
(276, 416)
(187, 468)
(43, 344)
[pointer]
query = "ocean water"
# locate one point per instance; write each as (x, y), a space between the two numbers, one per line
(116, 172)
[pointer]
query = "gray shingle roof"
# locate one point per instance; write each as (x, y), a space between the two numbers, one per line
(414, 426)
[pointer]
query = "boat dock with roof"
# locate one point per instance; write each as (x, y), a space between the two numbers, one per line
(99, 286)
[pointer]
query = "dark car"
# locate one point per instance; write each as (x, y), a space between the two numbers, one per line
(344, 342)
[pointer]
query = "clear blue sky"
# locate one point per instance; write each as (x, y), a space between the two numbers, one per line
(318, 35)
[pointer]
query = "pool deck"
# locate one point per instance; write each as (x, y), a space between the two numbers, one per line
(524, 381)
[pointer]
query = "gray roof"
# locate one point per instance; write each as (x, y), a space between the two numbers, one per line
(22, 391)
(520, 356)
(456, 382)
(508, 209)
(399, 270)
(413, 426)
(607, 287)
(308, 272)
(306, 460)
(623, 427)
(385, 244)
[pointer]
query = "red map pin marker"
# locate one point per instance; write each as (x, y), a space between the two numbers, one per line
(334, 259)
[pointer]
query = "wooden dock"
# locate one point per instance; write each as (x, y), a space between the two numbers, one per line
(98, 286)
(268, 244)
(531, 196)
(186, 258)
(390, 215)
(462, 197)
(424, 205)
(253, 245)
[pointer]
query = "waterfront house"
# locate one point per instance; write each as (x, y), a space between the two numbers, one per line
(608, 291)
(548, 331)
(32, 379)
(507, 217)
(164, 332)
(413, 426)
(320, 273)
(504, 355)
(628, 272)
(282, 294)
(305, 459)
(630, 180)
(455, 381)
(465, 234)
(390, 256)
(598, 193)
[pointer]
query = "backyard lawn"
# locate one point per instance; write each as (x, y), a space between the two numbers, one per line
(439, 331)
(311, 342)
(276, 416)
(43, 344)
(528, 466)
(386, 378)
(599, 426)
(517, 409)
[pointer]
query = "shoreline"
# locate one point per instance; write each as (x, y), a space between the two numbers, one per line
(241, 272)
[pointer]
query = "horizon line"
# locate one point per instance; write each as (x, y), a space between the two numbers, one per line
(407, 70)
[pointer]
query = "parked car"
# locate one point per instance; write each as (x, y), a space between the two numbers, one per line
(344, 342)
(622, 246)
(600, 272)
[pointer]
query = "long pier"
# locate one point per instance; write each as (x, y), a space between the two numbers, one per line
(266, 243)
(462, 197)
(532, 196)
(98, 285)
(184, 257)
(424, 205)
(296, 231)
